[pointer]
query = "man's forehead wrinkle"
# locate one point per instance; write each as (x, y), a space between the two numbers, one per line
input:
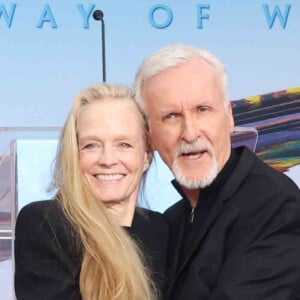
(169, 80)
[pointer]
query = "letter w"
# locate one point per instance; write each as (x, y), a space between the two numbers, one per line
(8, 17)
(277, 13)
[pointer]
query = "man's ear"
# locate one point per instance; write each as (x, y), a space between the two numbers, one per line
(147, 161)
(230, 116)
(152, 145)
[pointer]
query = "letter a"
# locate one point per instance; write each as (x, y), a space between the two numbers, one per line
(47, 16)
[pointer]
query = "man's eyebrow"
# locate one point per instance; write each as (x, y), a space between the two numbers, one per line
(170, 110)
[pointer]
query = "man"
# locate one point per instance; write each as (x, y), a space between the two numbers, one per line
(236, 232)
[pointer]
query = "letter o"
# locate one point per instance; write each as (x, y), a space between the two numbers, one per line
(168, 12)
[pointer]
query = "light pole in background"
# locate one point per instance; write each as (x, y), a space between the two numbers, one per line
(98, 16)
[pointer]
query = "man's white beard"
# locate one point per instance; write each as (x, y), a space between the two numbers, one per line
(206, 180)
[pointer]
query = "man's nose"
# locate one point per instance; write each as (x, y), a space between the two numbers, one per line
(190, 130)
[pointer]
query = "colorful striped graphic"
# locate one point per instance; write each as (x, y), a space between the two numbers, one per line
(276, 117)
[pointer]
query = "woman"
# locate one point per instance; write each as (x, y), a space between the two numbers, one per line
(73, 247)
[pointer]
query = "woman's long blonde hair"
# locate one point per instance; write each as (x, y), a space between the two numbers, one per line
(112, 266)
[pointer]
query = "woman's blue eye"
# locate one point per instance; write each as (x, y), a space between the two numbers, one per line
(91, 146)
(88, 146)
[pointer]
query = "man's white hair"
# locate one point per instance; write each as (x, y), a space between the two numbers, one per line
(174, 56)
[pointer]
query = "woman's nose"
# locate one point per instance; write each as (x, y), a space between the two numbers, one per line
(107, 156)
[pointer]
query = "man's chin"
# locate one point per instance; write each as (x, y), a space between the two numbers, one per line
(192, 184)
(194, 179)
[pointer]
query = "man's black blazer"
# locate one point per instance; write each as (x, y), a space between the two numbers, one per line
(248, 247)
(48, 253)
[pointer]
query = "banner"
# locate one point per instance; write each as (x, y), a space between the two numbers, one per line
(51, 50)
